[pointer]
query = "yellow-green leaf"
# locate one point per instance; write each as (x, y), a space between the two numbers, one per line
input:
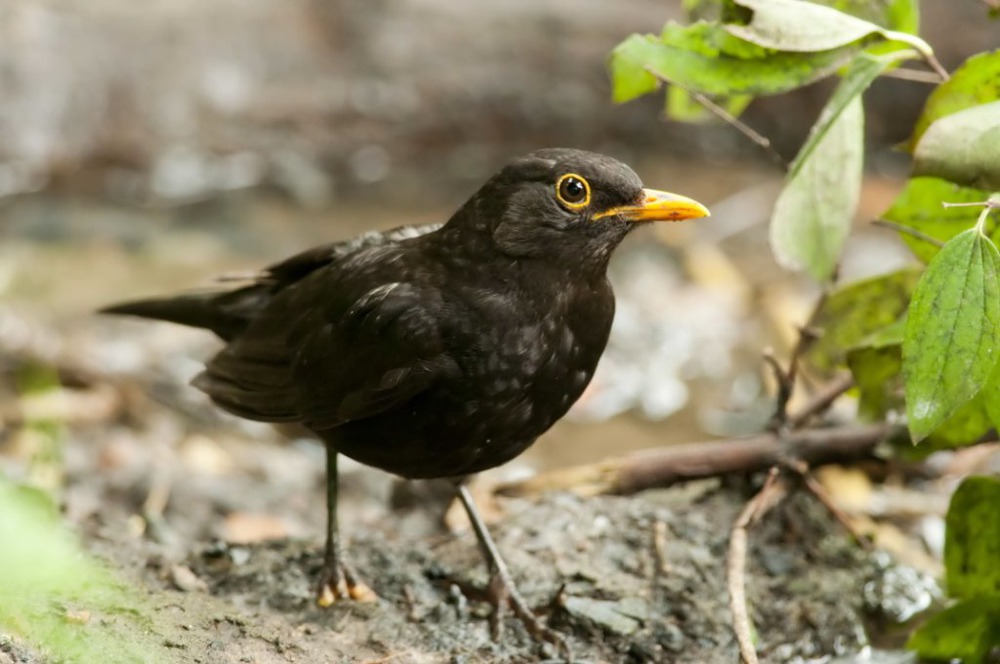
(704, 58)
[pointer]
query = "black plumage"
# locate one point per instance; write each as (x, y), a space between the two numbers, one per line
(433, 351)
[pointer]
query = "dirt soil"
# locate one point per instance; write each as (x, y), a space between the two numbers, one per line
(625, 579)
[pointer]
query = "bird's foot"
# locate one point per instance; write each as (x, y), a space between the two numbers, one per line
(337, 582)
(503, 594)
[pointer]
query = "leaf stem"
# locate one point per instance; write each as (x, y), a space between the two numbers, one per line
(921, 47)
(914, 75)
(981, 222)
(729, 119)
(992, 203)
(885, 223)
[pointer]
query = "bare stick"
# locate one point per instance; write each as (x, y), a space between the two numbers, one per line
(663, 466)
(821, 401)
(727, 117)
(817, 490)
(766, 498)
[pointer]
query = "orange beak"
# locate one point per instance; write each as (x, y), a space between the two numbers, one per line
(658, 206)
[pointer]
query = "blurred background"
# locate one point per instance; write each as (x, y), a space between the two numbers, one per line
(149, 147)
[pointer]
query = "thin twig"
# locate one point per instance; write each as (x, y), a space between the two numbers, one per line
(727, 117)
(821, 401)
(660, 546)
(786, 377)
(821, 494)
(785, 381)
(913, 75)
(885, 223)
(766, 498)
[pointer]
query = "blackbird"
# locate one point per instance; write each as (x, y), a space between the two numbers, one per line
(433, 351)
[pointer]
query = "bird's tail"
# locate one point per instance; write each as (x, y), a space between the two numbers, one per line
(227, 313)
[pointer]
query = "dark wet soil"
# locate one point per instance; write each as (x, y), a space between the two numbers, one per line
(626, 579)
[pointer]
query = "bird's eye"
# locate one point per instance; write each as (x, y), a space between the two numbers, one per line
(573, 191)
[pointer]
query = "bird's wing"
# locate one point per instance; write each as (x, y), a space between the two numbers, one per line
(300, 265)
(230, 309)
(325, 360)
(386, 350)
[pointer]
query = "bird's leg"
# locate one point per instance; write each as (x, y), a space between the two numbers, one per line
(336, 580)
(502, 590)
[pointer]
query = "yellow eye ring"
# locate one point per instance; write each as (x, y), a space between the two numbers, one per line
(573, 191)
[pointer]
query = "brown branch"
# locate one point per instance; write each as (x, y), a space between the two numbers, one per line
(663, 466)
(821, 401)
(769, 495)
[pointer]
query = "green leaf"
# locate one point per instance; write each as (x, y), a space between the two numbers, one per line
(627, 66)
(966, 426)
(681, 106)
(704, 58)
(863, 70)
(860, 314)
(876, 372)
(812, 216)
(45, 571)
(919, 207)
(972, 539)
(901, 15)
(963, 147)
(976, 82)
(991, 397)
(949, 348)
(966, 631)
(804, 27)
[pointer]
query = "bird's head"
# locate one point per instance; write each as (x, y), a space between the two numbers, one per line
(565, 204)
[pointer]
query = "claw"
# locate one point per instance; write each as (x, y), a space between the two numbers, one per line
(501, 591)
(503, 594)
(340, 583)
